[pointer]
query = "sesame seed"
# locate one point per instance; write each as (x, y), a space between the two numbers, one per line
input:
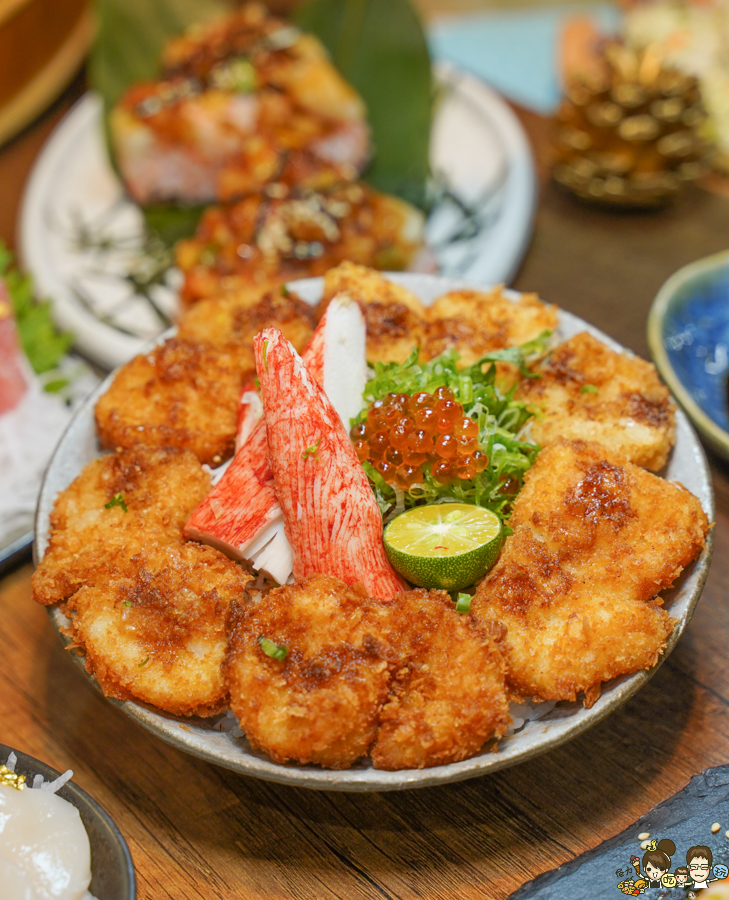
(644, 845)
(715, 827)
(644, 835)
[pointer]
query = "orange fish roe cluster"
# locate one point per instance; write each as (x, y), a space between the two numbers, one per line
(404, 433)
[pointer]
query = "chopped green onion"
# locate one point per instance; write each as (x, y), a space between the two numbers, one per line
(589, 389)
(265, 354)
(311, 450)
(463, 603)
(143, 663)
(285, 291)
(127, 603)
(275, 651)
(116, 500)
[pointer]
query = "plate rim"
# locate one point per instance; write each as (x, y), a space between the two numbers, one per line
(714, 434)
(621, 689)
(107, 346)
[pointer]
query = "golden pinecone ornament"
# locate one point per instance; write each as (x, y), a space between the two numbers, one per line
(628, 130)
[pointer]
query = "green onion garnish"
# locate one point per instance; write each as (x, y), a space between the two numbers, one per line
(463, 603)
(116, 500)
(127, 603)
(265, 354)
(311, 450)
(143, 663)
(275, 651)
(589, 389)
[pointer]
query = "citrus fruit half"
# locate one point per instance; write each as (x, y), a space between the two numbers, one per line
(443, 545)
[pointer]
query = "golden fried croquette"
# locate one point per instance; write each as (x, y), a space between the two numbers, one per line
(447, 696)
(154, 628)
(179, 394)
(586, 391)
(394, 316)
(477, 322)
(118, 502)
(320, 704)
(595, 540)
(231, 321)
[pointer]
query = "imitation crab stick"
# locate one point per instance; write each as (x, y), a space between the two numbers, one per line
(331, 517)
(241, 516)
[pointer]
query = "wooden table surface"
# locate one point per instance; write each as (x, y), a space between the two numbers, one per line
(196, 831)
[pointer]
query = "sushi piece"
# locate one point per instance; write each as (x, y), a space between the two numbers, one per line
(241, 516)
(331, 517)
(289, 233)
(236, 99)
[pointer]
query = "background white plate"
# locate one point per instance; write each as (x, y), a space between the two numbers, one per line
(198, 737)
(477, 146)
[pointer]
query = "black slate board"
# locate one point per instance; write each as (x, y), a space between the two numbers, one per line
(686, 818)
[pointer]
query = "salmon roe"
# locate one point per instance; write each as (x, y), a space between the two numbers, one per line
(402, 433)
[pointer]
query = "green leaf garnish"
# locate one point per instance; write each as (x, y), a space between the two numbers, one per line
(116, 500)
(312, 450)
(463, 603)
(42, 344)
(499, 416)
(275, 651)
(589, 389)
(143, 663)
(379, 46)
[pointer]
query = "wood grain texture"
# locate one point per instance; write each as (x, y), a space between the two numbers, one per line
(200, 832)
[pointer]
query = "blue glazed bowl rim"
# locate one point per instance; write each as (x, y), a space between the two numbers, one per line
(714, 434)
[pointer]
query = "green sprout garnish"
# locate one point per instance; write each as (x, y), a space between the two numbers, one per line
(589, 389)
(116, 500)
(275, 651)
(463, 603)
(311, 451)
(499, 416)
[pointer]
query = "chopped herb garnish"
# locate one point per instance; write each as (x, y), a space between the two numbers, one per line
(127, 603)
(589, 389)
(285, 291)
(265, 354)
(463, 603)
(257, 383)
(116, 500)
(143, 663)
(275, 651)
(312, 450)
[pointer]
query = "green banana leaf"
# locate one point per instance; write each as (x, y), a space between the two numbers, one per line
(379, 46)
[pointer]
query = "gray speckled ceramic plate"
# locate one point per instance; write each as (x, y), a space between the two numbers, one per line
(199, 737)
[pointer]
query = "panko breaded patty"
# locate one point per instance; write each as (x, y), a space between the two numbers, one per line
(586, 391)
(232, 320)
(477, 322)
(154, 628)
(159, 489)
(447, 696)
(394, 316)
(179, 394)
(320, 704)
(595, 540)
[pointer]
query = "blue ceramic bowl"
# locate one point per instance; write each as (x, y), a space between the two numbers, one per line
(688, 334)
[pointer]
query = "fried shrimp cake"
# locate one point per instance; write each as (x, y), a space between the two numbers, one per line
(595, 540)
(320, 703)
(587, 391)
(477, 322)
(447, 696)
(394, 316)
(179, 394)
(232, 321)
(154, 629)
(119, 501)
